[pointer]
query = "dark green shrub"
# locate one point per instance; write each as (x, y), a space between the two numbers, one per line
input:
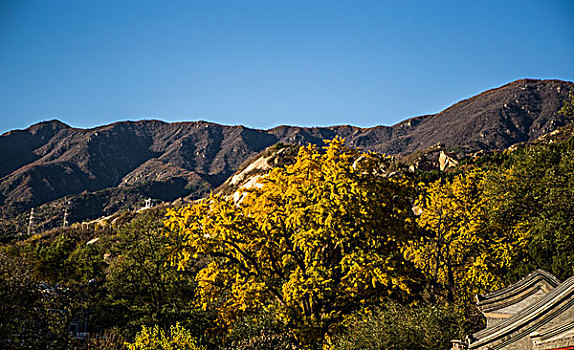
(396, 327)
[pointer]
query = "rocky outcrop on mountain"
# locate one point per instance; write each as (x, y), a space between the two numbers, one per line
(447, 161)
(126, 162)
(254, 168)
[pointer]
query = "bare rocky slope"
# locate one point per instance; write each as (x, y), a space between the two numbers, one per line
(97, 171)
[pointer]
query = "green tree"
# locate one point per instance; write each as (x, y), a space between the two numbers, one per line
(319, 239)
(568, 106)
(30, 317)
(20, 305)
(396, 327)
(51, 259)
(87, 263)
(140, 280)
(260, 331)
(537, 196)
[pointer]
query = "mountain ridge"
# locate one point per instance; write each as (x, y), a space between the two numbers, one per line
(151, 158)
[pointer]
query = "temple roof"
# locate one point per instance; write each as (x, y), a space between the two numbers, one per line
(556, 306)
(538, 280)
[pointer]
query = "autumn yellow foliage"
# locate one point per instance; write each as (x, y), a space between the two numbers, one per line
(154, 338)
(466, 251)
(318, 240)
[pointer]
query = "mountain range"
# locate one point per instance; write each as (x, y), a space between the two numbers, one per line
(51, 166)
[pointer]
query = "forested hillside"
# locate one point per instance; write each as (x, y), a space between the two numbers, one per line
(329, 250)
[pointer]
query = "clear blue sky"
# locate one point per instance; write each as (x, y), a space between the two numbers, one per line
(266, 63)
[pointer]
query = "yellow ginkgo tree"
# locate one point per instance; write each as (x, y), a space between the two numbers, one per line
(466, 250)
(318, 240)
